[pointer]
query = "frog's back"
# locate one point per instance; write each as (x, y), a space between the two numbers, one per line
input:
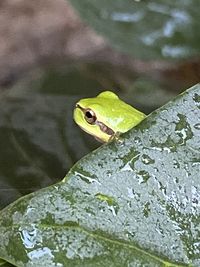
(117, 113)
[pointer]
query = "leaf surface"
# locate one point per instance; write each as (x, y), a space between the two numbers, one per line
(129, 203)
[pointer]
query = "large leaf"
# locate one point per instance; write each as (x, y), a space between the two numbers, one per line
(146, 29)
(129, 203)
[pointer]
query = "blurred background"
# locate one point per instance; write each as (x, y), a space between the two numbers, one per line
(52, 53)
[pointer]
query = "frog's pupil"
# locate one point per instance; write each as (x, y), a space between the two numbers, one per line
(88, 115)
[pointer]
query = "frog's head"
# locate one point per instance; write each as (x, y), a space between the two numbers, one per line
(92, 115)
(105, 115)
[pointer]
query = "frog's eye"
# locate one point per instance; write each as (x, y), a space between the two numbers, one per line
(90, 116)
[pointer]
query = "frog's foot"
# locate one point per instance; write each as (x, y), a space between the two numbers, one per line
(116, 137)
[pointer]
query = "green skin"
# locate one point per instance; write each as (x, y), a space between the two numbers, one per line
(106, 116)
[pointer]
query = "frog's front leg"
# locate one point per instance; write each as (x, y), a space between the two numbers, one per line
(116, 137)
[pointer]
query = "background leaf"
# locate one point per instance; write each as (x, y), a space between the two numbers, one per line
(37, 133)
(134, 203)
(146, 29)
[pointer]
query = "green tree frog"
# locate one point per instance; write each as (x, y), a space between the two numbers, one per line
(106, 116)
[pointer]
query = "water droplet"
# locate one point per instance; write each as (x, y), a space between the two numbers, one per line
(147, 160)
(143, 176)
(176, 180)
(39, 253)
(156, 169)
(167, 146)
(131, 192)
(162, 187)
(176, 164)
(159, 229)
(112, 204)
(197, 126)
(113, 210)
(120, 141)
(87, 179)
(28, 237)
(130, 235)
(183, 129)
(109, 173)
(137, 140)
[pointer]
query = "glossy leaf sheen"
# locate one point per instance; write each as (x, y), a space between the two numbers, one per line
(130, 203)
(146, 29)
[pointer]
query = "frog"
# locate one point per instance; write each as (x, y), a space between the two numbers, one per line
(106, 116)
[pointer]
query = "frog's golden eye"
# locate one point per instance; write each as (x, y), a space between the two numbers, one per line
(90, 116)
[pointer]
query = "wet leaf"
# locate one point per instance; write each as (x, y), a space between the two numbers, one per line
(146, 29)
(132, 203)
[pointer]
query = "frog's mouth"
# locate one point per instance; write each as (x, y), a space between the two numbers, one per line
(91, 119)
(104, 128)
